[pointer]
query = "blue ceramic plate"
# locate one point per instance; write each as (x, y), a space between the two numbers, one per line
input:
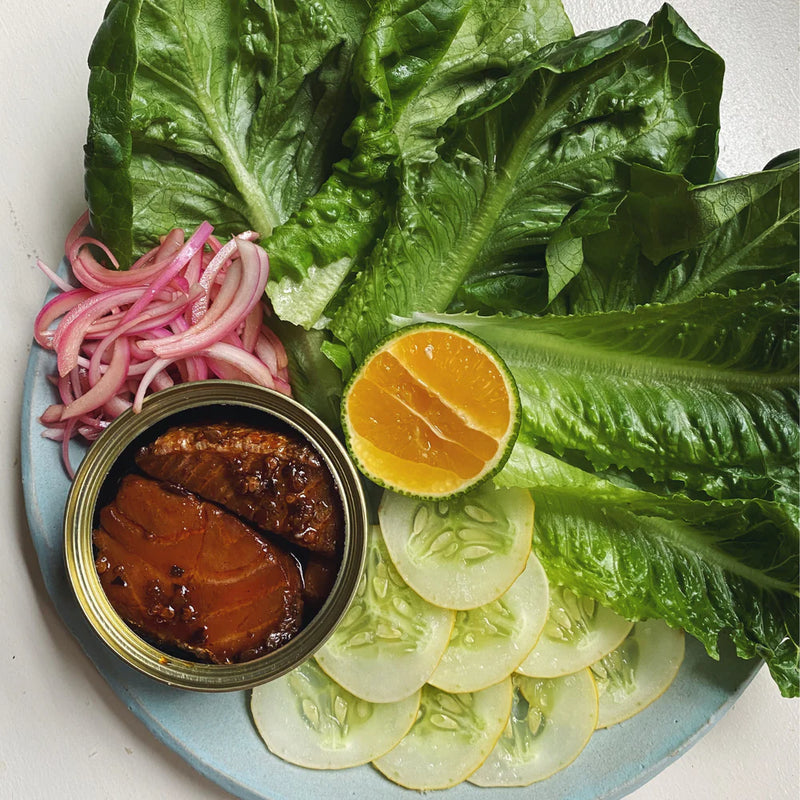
(215, 733)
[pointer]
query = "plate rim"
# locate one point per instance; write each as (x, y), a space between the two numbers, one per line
(115, 675)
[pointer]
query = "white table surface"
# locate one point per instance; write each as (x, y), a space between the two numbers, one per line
(63, 732)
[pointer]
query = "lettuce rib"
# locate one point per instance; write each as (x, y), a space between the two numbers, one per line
(516, 161)
(700, 397)
(710, 567)
(199, 111)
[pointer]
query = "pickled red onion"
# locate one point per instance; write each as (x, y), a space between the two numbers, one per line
(186, 310)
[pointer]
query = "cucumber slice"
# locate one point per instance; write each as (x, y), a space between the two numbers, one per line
(488, 643)
(463, 552)
(307, 719)
(390, 639)
(551, 721)
(450, 739)
(578, 632)
(639, 671)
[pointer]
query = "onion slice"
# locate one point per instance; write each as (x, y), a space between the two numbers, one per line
(187, 310)
(107, 384)
(245, 281)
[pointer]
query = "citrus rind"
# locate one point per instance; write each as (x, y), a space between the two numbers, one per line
(451, 446)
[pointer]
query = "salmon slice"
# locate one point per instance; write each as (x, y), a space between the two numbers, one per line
(276, 481)
(187, 574)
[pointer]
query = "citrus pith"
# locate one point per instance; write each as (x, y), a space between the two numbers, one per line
(431, 412)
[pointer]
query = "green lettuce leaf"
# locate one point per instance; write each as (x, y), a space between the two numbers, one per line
(668, 241)
(231, 112)
(516, 161)
(713, 567)
(316, 383)
(418, 62)
(699, 397)
(661, 448)
(748, 235)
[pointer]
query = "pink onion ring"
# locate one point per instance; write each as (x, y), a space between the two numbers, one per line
(186, 310)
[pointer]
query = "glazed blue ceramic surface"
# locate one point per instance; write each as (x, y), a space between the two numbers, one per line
(216, 735)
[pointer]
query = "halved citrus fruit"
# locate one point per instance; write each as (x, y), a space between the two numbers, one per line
(431, 412)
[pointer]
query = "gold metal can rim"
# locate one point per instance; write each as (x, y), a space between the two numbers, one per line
(78, 525)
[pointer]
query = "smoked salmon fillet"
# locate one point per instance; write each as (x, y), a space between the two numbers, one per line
(274, 480)
(185, 573)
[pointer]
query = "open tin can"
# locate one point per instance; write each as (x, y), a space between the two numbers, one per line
(112, 456)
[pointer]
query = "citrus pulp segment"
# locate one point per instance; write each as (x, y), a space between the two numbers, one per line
(431, 412)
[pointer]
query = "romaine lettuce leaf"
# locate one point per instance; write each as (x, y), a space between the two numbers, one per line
(516, 161)
(668, 241)
(661, 447)
(748, 234)
(418, 62)
(231, 112)
(710, 567)
(421, 60)
(699, 397)
(316, 383)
